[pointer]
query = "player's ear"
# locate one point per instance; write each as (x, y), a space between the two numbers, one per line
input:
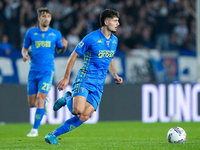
(106, 22)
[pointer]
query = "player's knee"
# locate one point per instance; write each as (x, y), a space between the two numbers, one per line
(77, 111)
(31, 104)
(40, 101)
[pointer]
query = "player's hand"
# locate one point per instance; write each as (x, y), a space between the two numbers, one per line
(118, 80)
(25, 57)
(62, 84)
(64, 42)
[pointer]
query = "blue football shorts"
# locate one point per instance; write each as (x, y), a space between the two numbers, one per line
(93, 97)
(39, 81)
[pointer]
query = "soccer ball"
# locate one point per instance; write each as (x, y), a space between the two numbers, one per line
(176, 135)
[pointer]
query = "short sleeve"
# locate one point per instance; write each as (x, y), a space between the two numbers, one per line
(27, 39)
(83, 45)
(59, 40)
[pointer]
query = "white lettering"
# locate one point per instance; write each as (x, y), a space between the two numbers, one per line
(6, 68)
(183, 102)
(195, 91)
(147, 91)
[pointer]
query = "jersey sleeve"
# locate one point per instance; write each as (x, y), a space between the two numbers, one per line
(27, 39)
(83, 45)
(59, 40)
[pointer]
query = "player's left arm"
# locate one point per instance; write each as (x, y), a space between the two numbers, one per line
(64, 43)
(24, 53)
(113, 72)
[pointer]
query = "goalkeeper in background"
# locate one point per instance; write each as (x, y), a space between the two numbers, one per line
(98, 49)
(44, 41)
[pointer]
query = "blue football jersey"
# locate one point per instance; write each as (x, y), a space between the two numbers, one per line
(98, 52)
(43, 45)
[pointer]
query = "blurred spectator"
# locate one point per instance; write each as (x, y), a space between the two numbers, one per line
(28, 18)
(129, 8)
(92, 22)
(2, 18)
(38, 4)
(73, 39)
(96, 6)
(126, 27)
(168, 20)
(66, 8)
(189, 43)
(70, 20)
(81, 25)
(127, 44)
(162, 39)
(187, 9)
(192, 27)
(5, 45)
(173, 42)
(12, 27)
(181, 30)
(146, 38)
(54, 6)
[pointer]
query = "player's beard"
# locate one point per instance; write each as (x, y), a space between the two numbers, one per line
(110, 30)
(45, 25)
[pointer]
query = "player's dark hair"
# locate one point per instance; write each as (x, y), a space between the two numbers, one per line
(42, 10)
(108, 13)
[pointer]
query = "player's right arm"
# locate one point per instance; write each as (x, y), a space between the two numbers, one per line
(25, 54)
(26, 44)
(64, 82)
(79, 51)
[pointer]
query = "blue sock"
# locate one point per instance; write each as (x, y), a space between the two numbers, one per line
(68, 125)
(68, 101)
(38, 117)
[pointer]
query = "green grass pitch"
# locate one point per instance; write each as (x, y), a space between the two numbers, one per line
(124, 135)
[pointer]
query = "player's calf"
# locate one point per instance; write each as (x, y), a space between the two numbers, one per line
(46, 105)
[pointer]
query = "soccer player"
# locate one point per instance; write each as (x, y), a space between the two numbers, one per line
(98, 49)
(44, 41)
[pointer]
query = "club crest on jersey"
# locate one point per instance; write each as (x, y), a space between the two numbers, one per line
(108, 43)
(80, 44)
(43, 35)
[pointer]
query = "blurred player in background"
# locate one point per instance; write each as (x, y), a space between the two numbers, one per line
(98, 49)
(44, 41)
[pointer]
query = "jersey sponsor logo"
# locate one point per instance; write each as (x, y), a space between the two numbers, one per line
(42, 44)
(35, 34)
(52, 34)
(80, 44)
(105, 53)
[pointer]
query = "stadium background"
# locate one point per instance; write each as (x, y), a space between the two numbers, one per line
(157, 46)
